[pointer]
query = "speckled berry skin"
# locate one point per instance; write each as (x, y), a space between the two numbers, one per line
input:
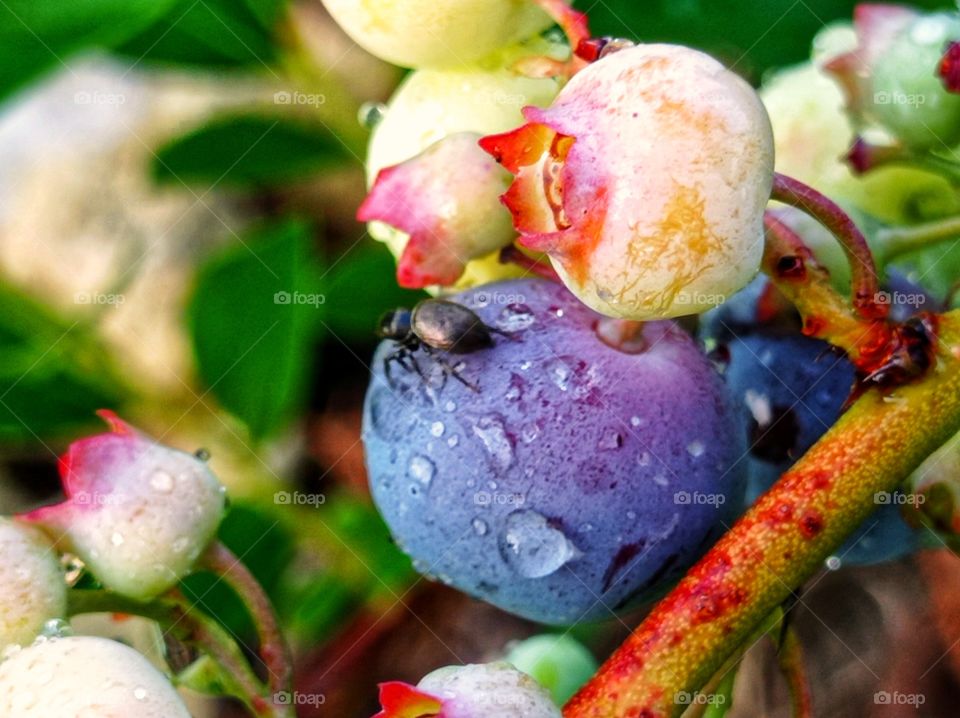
(573, 478)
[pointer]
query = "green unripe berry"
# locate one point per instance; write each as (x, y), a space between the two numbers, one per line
(908, 97)
(559, 663)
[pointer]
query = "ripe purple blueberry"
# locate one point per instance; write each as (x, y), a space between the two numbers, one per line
(562, 477)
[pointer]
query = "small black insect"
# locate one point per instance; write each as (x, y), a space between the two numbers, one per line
(434, 325)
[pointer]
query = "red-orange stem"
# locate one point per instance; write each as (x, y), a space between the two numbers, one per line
(779, 543)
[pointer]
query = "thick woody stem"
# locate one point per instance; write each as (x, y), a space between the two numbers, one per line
(884, 353)
(796, 273)
(779, 543)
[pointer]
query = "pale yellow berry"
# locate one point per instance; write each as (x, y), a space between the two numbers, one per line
(436, 33)
(84, 677)
(32, 587)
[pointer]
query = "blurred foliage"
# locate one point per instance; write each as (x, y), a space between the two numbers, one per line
(748, 35)
(37, 35)
(213, 33)
(265, 547)
(52, 377)
(360, 286)
(254, 317)
(248, 151)
(312, 600)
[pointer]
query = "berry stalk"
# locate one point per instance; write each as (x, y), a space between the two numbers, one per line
(273, 649)
(790, 657)
(178, 618)
(779, 543)
(895, 241)
(863, 271)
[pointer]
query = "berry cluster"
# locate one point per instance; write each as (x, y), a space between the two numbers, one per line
(136, 517)
(530, 441)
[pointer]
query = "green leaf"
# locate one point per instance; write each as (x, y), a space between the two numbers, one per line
(53, 377)
(212, 33)
(268, 12)
(360, 287)
(206, 676)
(39, 35)
(254, 317)
(750, 36)
(247, 150)
(317, 607)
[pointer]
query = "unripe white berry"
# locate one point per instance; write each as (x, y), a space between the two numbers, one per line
(645, 181)
(32, 587)
(138, 513)
(488, 690)
(432, 105)
(436, 33)
(84, 677)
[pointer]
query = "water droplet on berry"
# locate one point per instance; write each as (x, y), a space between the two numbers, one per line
(631, 515)
(559, 374)
(381, 420)
(533, 548)
(453, 441)
(696, 448)
(421, 469)
(371, 114)
(161, 481)
(636, 421)
(516, 388)
(437, 428)
(490, 430)
(515, 317)
(450, 406)
(479, 526)
(661, 479)
(610, 441)
(525, 365)
(140, 693)
(116, 538)
(530, 432)
(56, 628)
